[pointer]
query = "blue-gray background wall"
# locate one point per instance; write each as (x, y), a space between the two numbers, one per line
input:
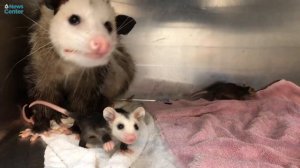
(180, 46)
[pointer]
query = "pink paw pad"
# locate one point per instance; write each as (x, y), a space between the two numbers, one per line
(108, 146)
(33, 136)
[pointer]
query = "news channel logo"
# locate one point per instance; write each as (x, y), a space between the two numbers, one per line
(11, 9)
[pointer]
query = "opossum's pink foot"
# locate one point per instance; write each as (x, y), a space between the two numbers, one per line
(108, 146)
(26, 133)
(33, 136)
(77, 136)
(63, 129)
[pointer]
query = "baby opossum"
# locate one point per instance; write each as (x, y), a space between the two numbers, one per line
(77, 60)
(124, 125)
(224, 91)
(93, 130)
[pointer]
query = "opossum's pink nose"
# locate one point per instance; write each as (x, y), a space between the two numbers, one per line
(100, 46)
(130, 138)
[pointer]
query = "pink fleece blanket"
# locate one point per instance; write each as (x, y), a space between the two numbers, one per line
(263, 132)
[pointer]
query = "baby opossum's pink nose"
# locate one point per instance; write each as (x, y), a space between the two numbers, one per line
(130, 138)
(99, 45)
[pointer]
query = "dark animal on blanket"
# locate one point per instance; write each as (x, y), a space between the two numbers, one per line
(124, 125)
(93, 129)
(224, 91)
(77, 60)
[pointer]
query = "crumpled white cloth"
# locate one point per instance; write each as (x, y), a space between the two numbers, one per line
(62, 151)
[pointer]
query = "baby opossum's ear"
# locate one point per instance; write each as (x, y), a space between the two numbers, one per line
(251, 90)
(109, 114)
(124, 24)
(54, 4)
(139, 113)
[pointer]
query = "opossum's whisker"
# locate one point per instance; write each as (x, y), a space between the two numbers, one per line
(66, 80)
(22, 27)
(31, 27)
(118, 52)
(34, 10)
(49, 51)
(123, 25)
(24, 36)
(124, 22)
(26, 27)
(19, 37)
(35, 22)
(117, 2)
(14, 66)
(78, 81)
(47, 44)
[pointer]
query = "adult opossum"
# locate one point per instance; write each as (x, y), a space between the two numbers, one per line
(77, 60)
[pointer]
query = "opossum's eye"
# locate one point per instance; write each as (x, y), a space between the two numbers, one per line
(108, 26)
(74, 20)
(136, 127)
(120, 126)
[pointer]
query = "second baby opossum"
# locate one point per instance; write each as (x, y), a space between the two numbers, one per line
(76, 59)
(224, 91)
(124, 125)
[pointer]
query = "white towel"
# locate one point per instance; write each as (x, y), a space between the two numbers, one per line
(62, 151)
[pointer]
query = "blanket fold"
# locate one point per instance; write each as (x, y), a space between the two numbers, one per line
(262, 132)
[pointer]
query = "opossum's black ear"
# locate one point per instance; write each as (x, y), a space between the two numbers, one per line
(109, 114)
(54, 4)
(124, 24)
(139, 113)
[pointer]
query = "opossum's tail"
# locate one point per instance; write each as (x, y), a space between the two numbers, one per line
(24, 116)
(50, 105)
(44, 103)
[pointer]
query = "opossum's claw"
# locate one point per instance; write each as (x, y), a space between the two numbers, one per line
(34, 137)
(28, 133)
(62, 129)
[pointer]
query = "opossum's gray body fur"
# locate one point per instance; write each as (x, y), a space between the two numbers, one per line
(80, 90)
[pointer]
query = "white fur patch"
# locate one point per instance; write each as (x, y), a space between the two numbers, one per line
(65, 36)
(128, 126)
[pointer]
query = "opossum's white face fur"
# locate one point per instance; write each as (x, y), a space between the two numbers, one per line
(124, 127)
(84, 32)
